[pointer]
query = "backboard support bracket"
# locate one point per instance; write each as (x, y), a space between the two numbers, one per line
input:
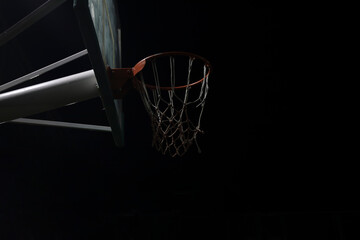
(120, 81)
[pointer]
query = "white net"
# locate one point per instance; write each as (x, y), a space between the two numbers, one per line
(173, 90)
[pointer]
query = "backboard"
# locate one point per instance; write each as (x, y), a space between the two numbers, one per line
(100, 28)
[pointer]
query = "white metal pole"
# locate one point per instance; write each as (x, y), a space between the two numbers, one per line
(29, 20)
(43, 70)
(62, 124)
(47, 96)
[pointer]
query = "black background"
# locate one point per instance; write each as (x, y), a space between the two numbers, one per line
(267, 170)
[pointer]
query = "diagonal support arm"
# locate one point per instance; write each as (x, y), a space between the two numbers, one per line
(43, 70)
(62, 124)
(29, 20)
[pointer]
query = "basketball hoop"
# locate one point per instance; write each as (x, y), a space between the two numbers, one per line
(173, 87)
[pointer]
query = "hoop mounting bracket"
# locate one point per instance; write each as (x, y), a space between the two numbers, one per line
(119, 81)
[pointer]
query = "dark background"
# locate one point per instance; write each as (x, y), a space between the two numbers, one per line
(267, 170)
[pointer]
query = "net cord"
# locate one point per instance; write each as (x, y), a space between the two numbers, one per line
(169, 122)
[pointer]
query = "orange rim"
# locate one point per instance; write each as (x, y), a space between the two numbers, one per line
(141, 64)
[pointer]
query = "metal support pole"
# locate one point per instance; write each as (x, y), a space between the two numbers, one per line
(62, 124)
(29, 20)
(47, 96)
(43, 70)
